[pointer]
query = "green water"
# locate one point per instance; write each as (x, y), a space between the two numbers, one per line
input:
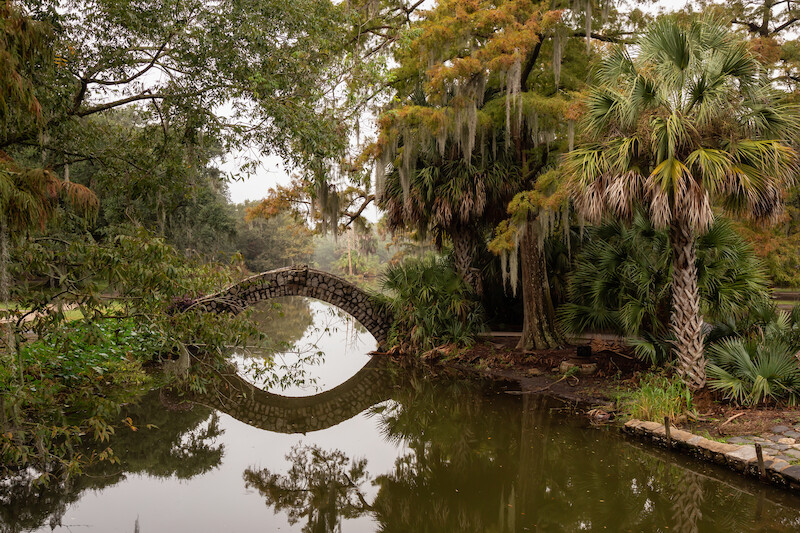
(388, 450)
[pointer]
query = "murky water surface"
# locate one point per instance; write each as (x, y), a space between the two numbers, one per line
(362, 448)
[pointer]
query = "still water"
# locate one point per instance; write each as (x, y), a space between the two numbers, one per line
(361, 447)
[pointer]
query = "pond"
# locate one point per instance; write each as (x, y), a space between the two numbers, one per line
(364, 447)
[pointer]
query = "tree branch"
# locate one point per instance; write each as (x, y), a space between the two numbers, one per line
(530, 61)
(753, 27)
(604, 38)
(353, 216)
(785, 25)
(132, 77)
(135, 98)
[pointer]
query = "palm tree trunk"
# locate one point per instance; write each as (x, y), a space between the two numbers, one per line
(686, 321)
(688, 502)
(463, 255)
(538, 331)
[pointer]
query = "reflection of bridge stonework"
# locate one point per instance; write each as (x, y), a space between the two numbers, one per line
(303, 281)
(283, 414)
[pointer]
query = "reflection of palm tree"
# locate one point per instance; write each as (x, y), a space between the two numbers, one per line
(687, 503)
(324, 487)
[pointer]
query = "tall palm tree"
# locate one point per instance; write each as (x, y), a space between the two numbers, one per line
(686, 120)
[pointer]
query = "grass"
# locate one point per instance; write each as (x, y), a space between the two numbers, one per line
(69, 315)
(657, 397)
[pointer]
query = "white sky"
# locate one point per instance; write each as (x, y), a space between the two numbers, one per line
(272, 171)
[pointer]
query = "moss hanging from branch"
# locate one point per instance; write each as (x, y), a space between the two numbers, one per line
(546, 206)
(588, 15)
(513, 90)
(558, 51)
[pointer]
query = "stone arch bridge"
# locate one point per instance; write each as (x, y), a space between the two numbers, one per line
(303, 281)
(284, 414)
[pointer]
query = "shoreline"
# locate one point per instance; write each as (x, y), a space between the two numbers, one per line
(589, 395)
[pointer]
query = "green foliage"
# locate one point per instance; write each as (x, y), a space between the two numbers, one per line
(278, 241)
(754, 371)
(76, 379)
(754, 359)
(621, 282)
(656, 397)
(84, 351)
(779, 247)
(77, 375)
(763, 320)
(276, 60)
(432, 305)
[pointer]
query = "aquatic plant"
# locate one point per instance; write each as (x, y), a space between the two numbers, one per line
(657, 396)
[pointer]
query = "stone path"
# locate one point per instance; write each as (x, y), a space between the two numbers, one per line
(782, 442)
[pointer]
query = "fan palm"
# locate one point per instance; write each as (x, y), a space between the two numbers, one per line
(621, 282)
(685, 121)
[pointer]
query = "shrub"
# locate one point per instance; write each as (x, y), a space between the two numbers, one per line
(432, 305)
(763, 321)
(621, 282)
(750, 371)
(657, 396)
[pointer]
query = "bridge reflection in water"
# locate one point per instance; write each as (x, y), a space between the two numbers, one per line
(284, 414)
(456, 456)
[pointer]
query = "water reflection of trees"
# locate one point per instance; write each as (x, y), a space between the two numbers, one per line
(179, 443)
(489, 463)
(321, 487)
(283, 321)
(475, 461)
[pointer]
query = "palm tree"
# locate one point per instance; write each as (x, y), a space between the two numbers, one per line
(620, 281)
(448, 196)
(687, 120)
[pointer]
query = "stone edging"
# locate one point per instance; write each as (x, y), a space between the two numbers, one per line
(740, 458)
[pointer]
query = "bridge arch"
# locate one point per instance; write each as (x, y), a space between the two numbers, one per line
(303, 281)
(284, 414)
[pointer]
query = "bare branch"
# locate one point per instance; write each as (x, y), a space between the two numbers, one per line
(353, 216)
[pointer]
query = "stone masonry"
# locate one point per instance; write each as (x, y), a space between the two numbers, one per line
(303, 281)
(283, 414)
(742, 457)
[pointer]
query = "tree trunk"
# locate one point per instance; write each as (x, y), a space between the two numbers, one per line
(685, 320)
(5, 292)
(4, 298)
(463, 254)
(8, 332)
(350, 253)
(538, 332)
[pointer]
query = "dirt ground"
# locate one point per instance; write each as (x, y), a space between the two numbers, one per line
(616, 369)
